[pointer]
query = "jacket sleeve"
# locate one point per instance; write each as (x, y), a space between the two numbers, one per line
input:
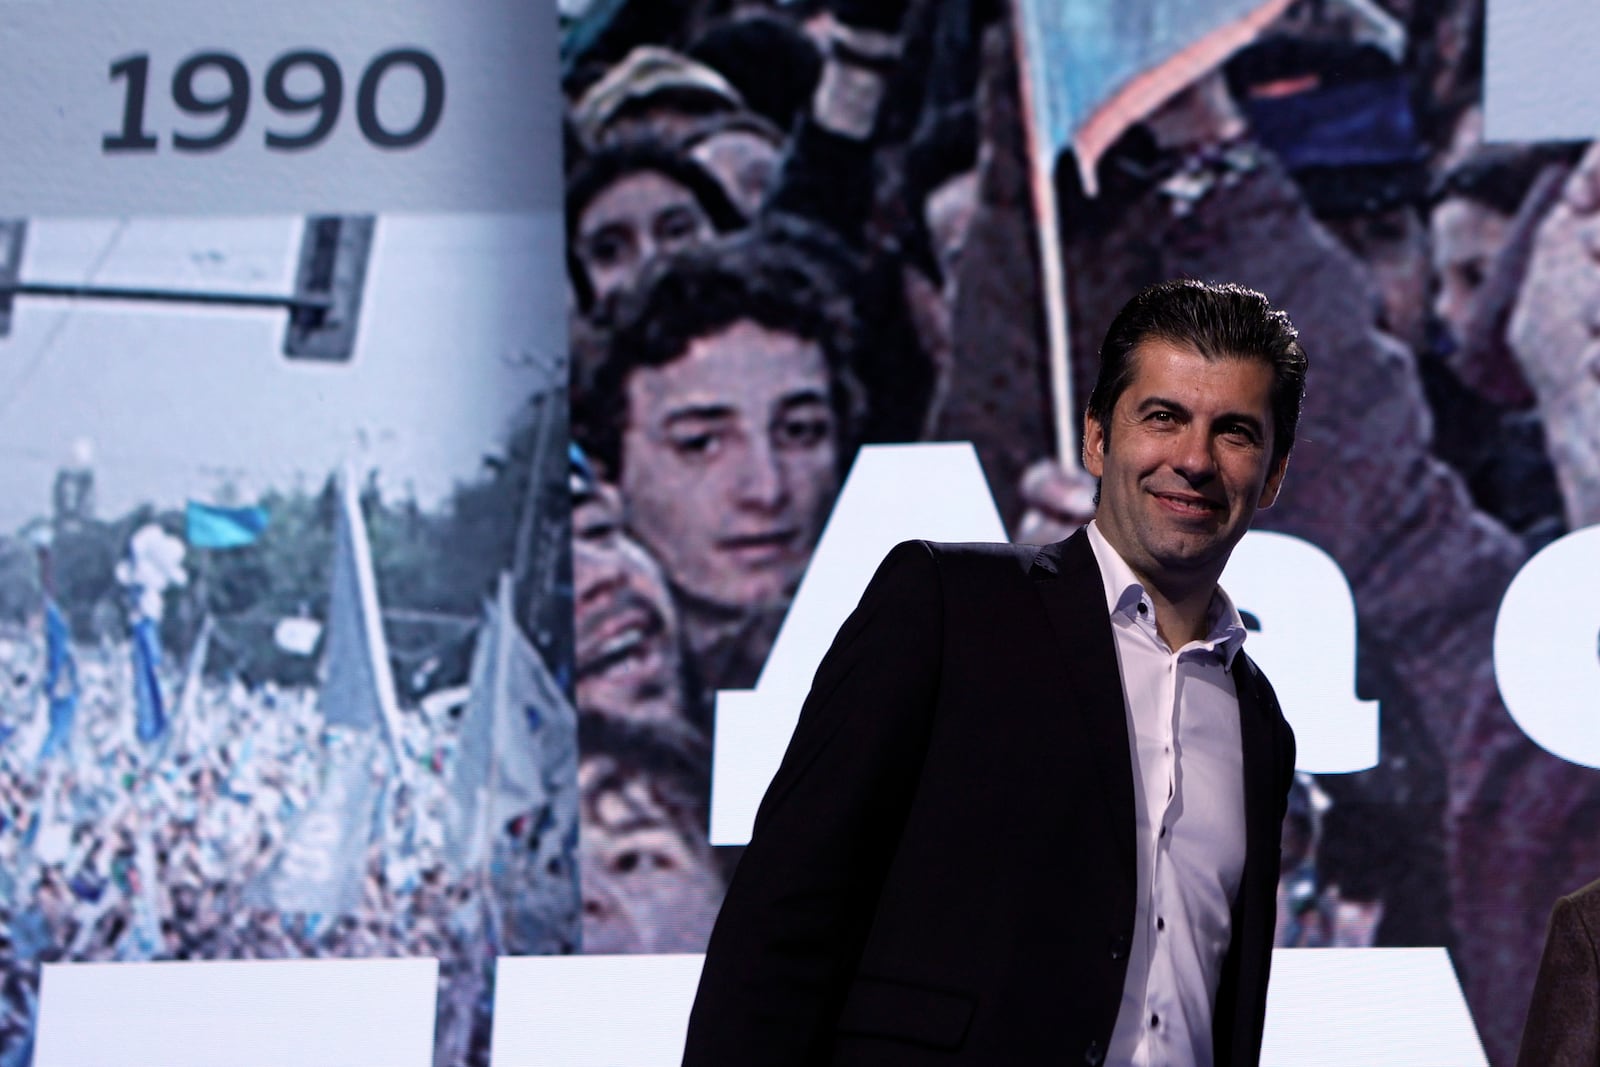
(1563, 1026)
(795, 917)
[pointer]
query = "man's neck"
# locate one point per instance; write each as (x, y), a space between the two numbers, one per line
(1182, 601)
(1181, 614)
(727, 644)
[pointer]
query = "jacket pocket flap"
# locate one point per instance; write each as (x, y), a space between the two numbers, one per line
(883, 1008)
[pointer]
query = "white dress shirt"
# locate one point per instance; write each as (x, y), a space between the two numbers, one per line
(1188, 796)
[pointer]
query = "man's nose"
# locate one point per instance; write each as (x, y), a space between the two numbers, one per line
(761, 482)
(595, 572)
(1195, 457)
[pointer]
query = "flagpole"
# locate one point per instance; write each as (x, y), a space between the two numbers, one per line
(1052, 258)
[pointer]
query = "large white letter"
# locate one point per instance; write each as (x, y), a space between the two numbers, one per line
(1307, 647)
(1546, 652)
(894, 493)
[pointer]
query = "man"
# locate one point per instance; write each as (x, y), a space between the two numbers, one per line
(1563, 1028)
(626, 205)
(651, 882)
(1031, 810)
(724, 410)
(628, 660)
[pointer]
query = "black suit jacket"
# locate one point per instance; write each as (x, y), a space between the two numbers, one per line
(1563, 1027)
(942, 870)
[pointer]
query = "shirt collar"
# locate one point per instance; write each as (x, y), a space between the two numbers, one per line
(1225, 627)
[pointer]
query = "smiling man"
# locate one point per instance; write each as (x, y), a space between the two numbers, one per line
(626, 629)
(1031, 810)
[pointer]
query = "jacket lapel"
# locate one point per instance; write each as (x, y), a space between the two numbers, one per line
(1069, 583)
(1255, 743)
(1262, 828)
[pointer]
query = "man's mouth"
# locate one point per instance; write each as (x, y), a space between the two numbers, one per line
(1190, 505)
(757, 549)
(626, 638)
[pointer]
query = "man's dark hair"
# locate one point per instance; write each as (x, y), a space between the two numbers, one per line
(605, 166)
(672, 757)
(768, 59)
(701, 291)
(1220, 321)
(1498, 176)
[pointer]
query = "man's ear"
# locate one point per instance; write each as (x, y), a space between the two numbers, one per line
(1094, 445)
(1269, 492)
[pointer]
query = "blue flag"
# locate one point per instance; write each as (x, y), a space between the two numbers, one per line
(358, 687)
(149, 707)
(322, 867)
(60, 680)
(514, 789)
(1092, 69)
(209, 526)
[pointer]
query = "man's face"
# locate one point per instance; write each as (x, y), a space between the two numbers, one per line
(1187, 463)
(729, 463)
(948, 214)
(648, 886)
(635, 219)
(627, 631)
(1394, 246)
(1467, 236)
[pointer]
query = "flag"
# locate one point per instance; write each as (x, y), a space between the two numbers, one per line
(188, 713)
(143, 940)
(150, 713)
(1093, 69)
(322, 867)
(210, 526)
(60, 681)
(513, 787)
(357, 688)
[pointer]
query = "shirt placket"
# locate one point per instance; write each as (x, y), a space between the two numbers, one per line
(1166, 791)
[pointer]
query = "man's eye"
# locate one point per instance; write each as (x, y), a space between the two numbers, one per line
(607, 250)
(697, 445)
(676, 227)
(800, 433)
(595, 531)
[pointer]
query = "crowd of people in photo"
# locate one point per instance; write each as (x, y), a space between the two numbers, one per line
(794, 228)
(114, 848)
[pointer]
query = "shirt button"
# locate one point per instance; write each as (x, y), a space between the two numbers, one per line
(1143, 609)
(1161, 924)
(1155, 1021)
(1163, 831)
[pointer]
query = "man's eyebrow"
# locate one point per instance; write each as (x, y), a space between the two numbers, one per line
(1150, 403)
(698, 411)
(811, 395)
(607, 228)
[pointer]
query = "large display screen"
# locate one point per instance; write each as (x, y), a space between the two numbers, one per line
(799, 232)
(438, 446)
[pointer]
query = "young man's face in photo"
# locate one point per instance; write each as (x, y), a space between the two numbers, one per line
(637, 218)
(627, 634)
(730, 463)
